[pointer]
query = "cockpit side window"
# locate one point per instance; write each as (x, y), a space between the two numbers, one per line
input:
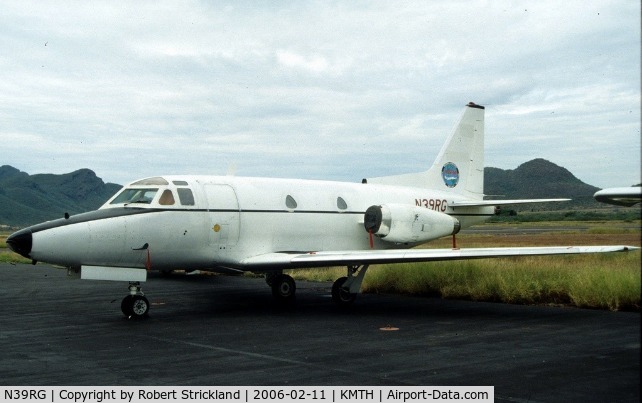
(167, 198)
(185, 196)
(132, 195)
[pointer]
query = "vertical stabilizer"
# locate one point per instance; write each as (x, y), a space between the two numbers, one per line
(459, 166)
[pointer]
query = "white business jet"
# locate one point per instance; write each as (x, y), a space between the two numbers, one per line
(233, 224)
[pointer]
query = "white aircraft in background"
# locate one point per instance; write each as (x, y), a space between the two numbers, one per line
(233, 224)
(620, 196)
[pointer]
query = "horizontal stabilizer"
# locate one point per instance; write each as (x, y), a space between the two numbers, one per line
(479, 203)
(341, 258)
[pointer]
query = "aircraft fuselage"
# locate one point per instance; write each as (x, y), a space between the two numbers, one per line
(222, 220)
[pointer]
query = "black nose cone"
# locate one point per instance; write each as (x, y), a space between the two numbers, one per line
(20, 242)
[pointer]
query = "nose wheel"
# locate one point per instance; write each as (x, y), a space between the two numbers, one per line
(135, 305)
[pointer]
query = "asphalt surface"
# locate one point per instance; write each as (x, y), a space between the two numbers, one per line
(217, 330)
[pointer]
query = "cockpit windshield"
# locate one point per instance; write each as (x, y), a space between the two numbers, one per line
(157, 192)
(130, 195)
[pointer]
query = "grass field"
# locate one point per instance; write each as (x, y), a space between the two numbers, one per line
(598, 281)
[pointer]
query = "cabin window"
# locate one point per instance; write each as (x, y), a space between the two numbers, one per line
(127, 196)
(185, 196)
(341, 204)
(179, 183)
(290, 202)
(167, 198)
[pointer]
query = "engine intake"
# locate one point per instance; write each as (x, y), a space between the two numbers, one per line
(400, 223)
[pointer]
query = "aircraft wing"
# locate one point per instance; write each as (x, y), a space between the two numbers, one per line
(284, 260)
(620, 196)
(479, 203)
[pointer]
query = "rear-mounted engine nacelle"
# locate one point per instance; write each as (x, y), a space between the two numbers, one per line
(401, 223)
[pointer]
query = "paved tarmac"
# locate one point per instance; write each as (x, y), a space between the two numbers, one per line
(217, 330)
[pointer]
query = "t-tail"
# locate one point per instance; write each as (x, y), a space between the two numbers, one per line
(459, 166)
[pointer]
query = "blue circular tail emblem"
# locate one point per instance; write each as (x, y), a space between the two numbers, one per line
(450, 174)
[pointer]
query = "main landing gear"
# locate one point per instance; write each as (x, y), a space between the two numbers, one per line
(344, 289)
(135, 305)
(283, 286)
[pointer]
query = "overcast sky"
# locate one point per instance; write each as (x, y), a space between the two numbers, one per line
(319, 90)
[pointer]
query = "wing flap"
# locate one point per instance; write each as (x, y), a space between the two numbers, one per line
(343, 258)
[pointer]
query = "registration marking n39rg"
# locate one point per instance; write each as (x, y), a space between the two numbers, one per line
(433, 204)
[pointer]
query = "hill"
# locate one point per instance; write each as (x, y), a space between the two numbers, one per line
(28, 199)
(540, 179)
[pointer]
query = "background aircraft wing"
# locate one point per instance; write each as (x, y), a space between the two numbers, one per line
(620, 196)
(346, 258)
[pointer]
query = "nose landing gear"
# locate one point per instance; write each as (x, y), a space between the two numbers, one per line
(135, 305)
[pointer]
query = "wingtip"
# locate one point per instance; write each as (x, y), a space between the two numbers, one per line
(621, 248)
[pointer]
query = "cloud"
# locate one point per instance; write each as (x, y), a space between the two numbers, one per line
(316, 89)
(314, 63)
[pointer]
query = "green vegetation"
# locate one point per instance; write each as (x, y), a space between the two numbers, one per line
(601, 281)
(590, 281)
(597, 281)
(579, 215)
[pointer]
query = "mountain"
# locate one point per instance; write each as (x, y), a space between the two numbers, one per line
(28, 199)
(539, 179)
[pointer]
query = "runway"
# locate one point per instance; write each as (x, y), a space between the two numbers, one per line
(218, 330)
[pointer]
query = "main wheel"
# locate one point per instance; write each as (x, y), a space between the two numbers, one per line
(283, 288)
(340, 295)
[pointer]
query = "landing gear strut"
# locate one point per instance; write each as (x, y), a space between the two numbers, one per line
(135, 305)
(345, 289)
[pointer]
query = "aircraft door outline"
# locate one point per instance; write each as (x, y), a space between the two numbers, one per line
(223, 209)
